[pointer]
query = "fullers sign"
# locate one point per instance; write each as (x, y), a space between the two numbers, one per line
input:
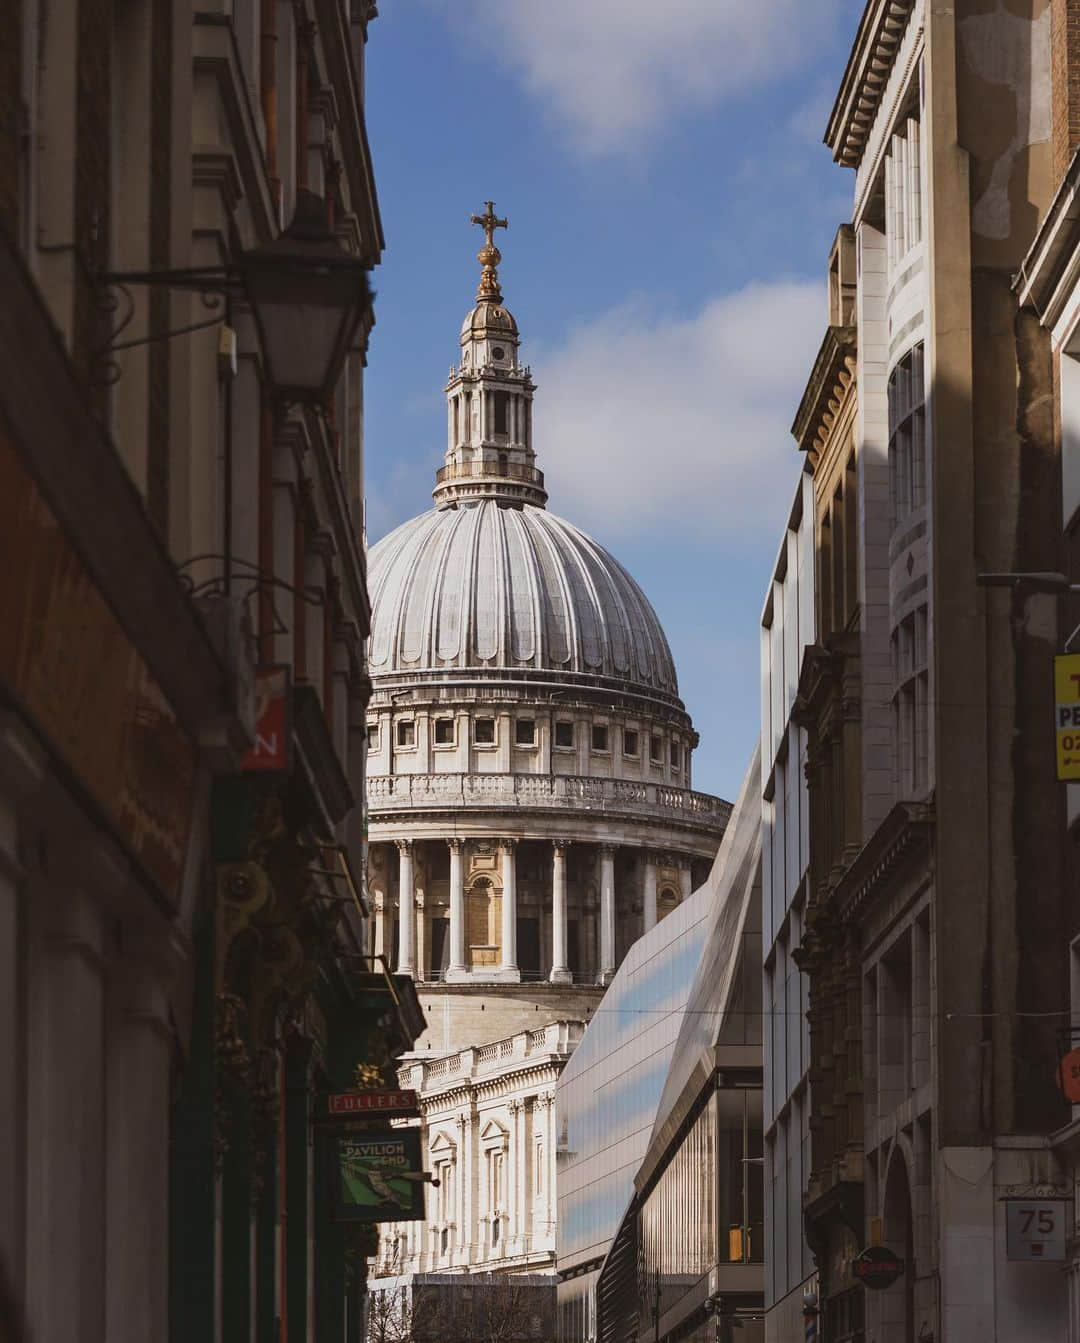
(877, 1267)
(1067, 715)
(348, 1104)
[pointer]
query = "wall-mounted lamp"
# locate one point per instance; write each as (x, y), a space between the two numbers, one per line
(308, 295)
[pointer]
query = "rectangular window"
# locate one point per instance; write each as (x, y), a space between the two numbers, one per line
(629, 742)
(502, 403)
(907, 436)
(911, 707)
(599, 737)
(484, 732)
(444, 732)
(676, 755)
(406, 732)
(564, 733)
(656, 749)
(525, 732)
(373, 736)
(903, 193)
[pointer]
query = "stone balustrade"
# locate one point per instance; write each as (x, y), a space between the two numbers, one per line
(559, 1037)
(541, 792)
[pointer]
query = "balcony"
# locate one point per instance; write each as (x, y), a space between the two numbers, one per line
(530, 475)
(558, 1038)
(621, 798)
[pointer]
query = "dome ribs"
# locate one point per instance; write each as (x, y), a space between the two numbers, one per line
(595, 641)
(487, 590)
(511, 589)
(415, 624)
(468, 591)
(446, 608)
(524, 605)
(434, 597)
(560, 626)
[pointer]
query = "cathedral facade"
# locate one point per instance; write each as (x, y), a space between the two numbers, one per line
(531, 810)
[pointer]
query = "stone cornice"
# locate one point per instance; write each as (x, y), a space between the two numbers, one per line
(905, 835)
(830, 380)
(869, 66)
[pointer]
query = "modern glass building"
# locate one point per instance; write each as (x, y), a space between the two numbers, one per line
(607, 1099)
(787, 627)
(661, 1220)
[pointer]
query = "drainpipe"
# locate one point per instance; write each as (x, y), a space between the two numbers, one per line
(305, 35)
(268, 91)
(266, 529)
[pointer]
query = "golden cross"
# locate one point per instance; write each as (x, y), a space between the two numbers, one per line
(489, 222)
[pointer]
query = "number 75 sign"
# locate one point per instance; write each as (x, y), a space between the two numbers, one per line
(1035, 1229)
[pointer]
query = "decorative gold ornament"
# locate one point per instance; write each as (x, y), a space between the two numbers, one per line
(489, 255)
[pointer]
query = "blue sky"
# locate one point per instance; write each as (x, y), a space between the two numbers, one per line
(671, 208)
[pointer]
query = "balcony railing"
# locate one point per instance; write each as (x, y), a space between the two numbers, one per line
(543, 792)
(487, 470)
(559, 1037)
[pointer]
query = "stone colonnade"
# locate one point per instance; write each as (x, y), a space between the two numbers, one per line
(507, 968)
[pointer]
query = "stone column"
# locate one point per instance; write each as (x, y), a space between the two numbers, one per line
(560, 970)
(379, 948)
(649, 890)
(607, 911)
(457, 967)
(406, 962)
(22, 770)
(508, 968)
(463, 1173)
(686, 878)
(65, 1192)
(520, 1167)
(137, 1157)
(551, 1149)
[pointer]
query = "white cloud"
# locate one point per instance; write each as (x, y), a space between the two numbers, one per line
(617, 71)
(652, 424)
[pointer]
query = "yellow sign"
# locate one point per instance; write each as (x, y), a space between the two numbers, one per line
(1067, 715)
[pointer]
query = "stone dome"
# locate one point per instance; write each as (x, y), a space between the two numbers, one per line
(487, 587)
(488, 317)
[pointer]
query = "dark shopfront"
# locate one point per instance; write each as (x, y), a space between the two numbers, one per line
(288, 1008)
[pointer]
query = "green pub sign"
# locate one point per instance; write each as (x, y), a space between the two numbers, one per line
(378, 1176)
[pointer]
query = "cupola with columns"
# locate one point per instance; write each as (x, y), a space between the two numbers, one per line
(489, 452)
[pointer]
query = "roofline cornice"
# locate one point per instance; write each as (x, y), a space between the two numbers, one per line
(835, 360)
(870, 63)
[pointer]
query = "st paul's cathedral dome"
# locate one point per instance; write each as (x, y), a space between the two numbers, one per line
(529, 759)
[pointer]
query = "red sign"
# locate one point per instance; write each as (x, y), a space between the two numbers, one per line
(372, 1102)
(1069, 1076)
(270, 750)
(877, 1267)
